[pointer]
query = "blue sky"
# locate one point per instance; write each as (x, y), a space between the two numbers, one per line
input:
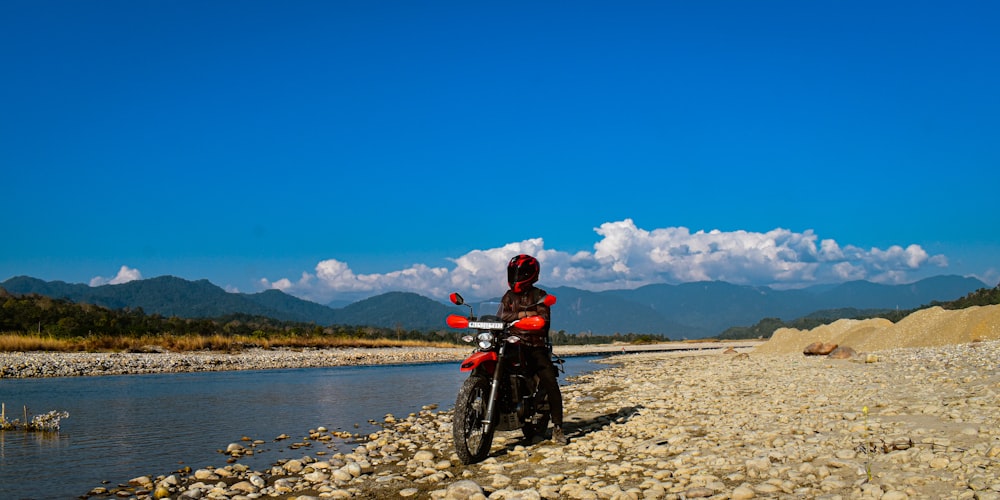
(336, 150)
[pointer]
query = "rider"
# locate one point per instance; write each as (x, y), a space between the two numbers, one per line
(523, 300)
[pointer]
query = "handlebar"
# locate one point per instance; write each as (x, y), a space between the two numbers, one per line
(549, 300)
(530, 323)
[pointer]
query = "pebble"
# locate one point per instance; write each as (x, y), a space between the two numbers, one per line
(916, 423)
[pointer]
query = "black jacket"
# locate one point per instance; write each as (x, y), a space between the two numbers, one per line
(512, 304)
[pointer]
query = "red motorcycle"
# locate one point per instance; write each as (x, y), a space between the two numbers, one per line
(500, 394)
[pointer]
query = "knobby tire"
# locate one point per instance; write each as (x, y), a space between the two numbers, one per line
(473, 437)
(537, 423)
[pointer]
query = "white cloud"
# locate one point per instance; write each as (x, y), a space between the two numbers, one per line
(627, 256)
(125, 274)
(990, 276)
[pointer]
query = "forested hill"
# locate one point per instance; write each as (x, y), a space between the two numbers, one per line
(171, 296)
(690, 310)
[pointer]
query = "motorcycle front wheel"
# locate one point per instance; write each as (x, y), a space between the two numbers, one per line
(473, 436)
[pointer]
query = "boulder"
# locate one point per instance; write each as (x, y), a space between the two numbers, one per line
(842, 352)
(819, 349)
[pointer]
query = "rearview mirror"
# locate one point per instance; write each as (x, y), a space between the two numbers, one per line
(456, 299)
(549, 300)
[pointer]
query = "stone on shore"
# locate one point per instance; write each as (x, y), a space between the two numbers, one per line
(843, 352)
(819, 349)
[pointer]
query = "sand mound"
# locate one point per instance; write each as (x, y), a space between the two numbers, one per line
(925, 328)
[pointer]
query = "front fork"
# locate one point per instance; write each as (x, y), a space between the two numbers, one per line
(495, 387)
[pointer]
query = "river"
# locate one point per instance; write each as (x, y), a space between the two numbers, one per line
(122, 427)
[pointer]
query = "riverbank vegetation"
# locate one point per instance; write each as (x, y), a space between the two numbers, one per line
(46, 422)
(34, 322)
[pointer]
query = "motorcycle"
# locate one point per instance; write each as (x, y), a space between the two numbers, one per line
(500, 394)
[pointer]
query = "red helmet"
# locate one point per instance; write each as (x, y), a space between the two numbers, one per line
(522, 271)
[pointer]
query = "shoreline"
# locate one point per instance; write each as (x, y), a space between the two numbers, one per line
(902, 423)
(38, 364)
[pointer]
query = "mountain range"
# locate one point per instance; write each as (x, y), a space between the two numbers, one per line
(689, 310)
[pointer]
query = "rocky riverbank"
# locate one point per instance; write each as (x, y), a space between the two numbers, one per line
(61, 364)
(900, 423)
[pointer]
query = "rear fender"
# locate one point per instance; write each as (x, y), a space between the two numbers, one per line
(486, 359)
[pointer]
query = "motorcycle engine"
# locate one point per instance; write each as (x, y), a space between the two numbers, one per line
(508, 422)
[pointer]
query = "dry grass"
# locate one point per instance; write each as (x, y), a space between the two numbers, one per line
(12, 342)
(15, 342)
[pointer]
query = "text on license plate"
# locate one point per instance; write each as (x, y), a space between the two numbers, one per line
(486, 325)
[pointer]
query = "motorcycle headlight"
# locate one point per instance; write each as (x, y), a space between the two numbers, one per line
(485, 340)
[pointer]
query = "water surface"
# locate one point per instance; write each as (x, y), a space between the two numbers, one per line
(121, 427)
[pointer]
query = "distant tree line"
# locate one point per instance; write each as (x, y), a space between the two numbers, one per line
(563, 338)
(65, 319)
(767, 326)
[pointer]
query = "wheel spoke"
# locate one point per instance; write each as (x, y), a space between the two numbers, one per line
(471, 432)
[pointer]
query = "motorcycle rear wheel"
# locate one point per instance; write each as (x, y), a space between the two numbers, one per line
(473, 436)
(535, 426)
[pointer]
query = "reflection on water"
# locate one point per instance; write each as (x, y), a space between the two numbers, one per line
(121, 427)
(14, 444)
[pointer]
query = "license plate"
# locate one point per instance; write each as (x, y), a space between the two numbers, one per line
(486, 325)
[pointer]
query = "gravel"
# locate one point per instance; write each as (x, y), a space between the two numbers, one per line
(894, 423)
(914, 423)
(61, 364)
